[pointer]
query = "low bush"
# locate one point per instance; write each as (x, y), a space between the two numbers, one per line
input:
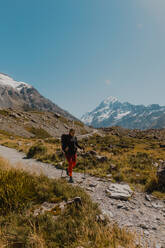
(36, 150)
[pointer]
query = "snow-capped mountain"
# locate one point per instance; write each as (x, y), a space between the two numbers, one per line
(20, 95)
(112, 112)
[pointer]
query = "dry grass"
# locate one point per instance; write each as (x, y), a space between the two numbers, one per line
(76, 226)
(134, 157)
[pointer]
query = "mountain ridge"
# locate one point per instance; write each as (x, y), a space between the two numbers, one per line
(112, 112)
(21, 95)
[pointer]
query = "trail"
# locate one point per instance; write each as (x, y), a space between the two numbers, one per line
(145, 216)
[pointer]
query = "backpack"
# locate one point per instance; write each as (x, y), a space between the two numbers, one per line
(64, 141)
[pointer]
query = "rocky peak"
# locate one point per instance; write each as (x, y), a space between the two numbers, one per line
(112, 112)
(7, 81)
(21, 95)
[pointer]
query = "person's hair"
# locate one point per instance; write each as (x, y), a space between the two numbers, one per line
(71, 130)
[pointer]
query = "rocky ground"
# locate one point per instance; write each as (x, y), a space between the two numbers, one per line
(137, 211)
(27, 123)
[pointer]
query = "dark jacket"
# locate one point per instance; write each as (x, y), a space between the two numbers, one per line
(71, 143)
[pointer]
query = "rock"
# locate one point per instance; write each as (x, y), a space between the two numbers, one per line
(128, 224)
(157, 205)
(45, 207)
(77, 201)
(107, 213)
(161, 176)
(110, 214)
(101, 218)
(120, 205)
(101, 159)
(148, 204)
(143, 226)
(147, 197)
(52, 207)
(92, 152)
(57, 115)
(93, 185)
(90, 189)
(113, 167)
(146, 232)
(66, 126)
(62, 206)
(119, 191)
(126, 208)
(101, 179)
(60, 165)
(155, 164)
(19, 143)
(154, 228)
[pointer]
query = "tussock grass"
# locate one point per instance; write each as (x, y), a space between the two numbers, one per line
(76, 226)
(134, 157)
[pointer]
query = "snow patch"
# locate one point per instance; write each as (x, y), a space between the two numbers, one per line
(110, 99)
(87, 119)
(121, 115)
(5, 80)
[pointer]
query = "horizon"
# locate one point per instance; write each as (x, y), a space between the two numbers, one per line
(79, 53)
(111, 97)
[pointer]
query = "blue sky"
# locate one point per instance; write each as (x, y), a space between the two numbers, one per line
(77, 52)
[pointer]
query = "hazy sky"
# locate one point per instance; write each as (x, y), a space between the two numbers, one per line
(77, 52)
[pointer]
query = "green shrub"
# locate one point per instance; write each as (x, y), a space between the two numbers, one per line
(35, 150)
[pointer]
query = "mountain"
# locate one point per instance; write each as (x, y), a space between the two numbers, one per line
(20, 95)
(112, 112)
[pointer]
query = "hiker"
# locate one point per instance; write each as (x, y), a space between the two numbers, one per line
(69, 147)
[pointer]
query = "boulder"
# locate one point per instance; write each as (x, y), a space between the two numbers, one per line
(119, 191)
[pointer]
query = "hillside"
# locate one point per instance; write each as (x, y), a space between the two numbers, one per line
(38, 123)
(113, 157)
(36, 211)
(23, 96)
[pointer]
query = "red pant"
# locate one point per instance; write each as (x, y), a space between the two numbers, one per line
(72, 162)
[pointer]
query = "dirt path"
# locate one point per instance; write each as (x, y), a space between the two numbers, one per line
(145, 215)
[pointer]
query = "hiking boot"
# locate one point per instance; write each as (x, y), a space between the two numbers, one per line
(71, 180)
(67, 172)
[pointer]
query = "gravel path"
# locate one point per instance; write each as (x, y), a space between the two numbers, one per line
(144, 214)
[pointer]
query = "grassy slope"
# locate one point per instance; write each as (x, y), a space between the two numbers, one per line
(134, 157)
(21, 193)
